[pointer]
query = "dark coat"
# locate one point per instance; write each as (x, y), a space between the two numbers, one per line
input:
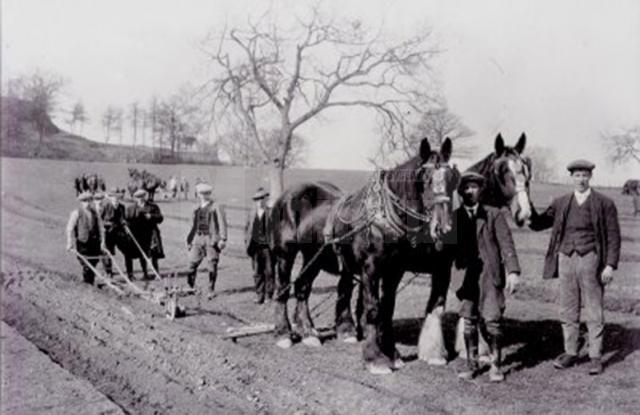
(250, 243)
(144, 229)
(217, 224)
(495, 245)
(604, 216)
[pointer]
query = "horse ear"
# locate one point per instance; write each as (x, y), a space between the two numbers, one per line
(425, 149)
(499, 145)
(446, 149)
(522, 141)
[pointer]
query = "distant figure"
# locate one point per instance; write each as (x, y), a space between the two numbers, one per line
(583, 252)
(207, 237)
(172, 187)
(143, 217)
(256, 239)
(85, 235)
(632, 188)
(89, 182)
(184, 188)
(113, 220)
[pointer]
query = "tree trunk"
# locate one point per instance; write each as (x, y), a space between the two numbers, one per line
(276, 181)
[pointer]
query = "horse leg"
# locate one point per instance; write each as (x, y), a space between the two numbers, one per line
(345, 327)
(431, 347)
(282, 325)
(302, 316)
(390, 283)
(375, 360)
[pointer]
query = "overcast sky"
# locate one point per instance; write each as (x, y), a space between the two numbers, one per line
(562, 71)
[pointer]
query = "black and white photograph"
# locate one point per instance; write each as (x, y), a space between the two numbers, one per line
(319, 207)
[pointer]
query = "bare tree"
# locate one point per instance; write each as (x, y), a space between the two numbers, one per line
(178, 121)
(118, 123)
(623, 145)
(77, 115)
(41, 91)
(109, 121)
(544, 163)
(242, 150)
(436, 123)
(134, 118)
(271, 76)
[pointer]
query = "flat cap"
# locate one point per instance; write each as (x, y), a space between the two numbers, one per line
(116, 191)
(260, 194)
(580, 164)
(471, 176)
(140, 193)
(204, 188)
(85, 196)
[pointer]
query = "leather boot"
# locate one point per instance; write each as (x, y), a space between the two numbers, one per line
(212, 281)
(191, 279)
(471, 344)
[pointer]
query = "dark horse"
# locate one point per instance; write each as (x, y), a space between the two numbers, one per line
(391, 225)
(507, 176)
(142, 179)
(89, 182)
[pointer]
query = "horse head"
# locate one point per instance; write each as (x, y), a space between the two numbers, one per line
(425, 184)
(508, 175)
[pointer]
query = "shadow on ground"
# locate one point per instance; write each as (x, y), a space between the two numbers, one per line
(535, 341)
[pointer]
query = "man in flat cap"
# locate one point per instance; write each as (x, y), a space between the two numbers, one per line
(207, 237)
(486, 251)
(256, 239)
(143, 217)
(84, 234)
(113, 220)
(584, 249)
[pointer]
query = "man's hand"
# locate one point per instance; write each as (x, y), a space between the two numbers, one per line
(607, 275)
(221, 244)
(147, 215)
(103, 247)
(69, 246)
(513, 280)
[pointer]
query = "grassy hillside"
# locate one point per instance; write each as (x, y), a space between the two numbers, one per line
(19, 138)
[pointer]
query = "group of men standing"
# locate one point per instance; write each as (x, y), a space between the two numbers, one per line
(103, 222)
(584, 250)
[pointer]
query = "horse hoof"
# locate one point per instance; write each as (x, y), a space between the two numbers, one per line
(350, 339)
(485, 358)
(311, 341)
(378, 369)
(284, 343)
(398, 364)
(436, 361)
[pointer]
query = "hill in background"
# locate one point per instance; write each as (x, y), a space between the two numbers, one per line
(19, 138)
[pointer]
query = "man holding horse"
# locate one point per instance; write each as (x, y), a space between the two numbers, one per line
(207, 237)
(583, 252)
(485, 250)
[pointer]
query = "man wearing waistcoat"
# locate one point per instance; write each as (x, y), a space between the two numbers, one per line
(583, 252)
(84, 231)
(256, 239)
(113, 220)
(207, 237)
(487, 253)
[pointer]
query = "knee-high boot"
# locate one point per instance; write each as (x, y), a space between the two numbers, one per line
(494, 338)
(471, 344)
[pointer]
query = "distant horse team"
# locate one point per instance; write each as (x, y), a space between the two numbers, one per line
(422, 216)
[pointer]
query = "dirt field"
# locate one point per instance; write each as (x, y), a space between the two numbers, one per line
(145, 363)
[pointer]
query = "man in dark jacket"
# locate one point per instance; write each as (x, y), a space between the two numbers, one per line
(207, 237)
(485, 250)
(112, 213)
(143, 218)
(256, 239)
(84, 234)
(584, 249)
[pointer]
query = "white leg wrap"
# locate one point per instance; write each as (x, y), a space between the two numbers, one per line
(431, 343)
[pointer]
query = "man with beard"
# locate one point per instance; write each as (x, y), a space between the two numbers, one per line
(485, 250)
